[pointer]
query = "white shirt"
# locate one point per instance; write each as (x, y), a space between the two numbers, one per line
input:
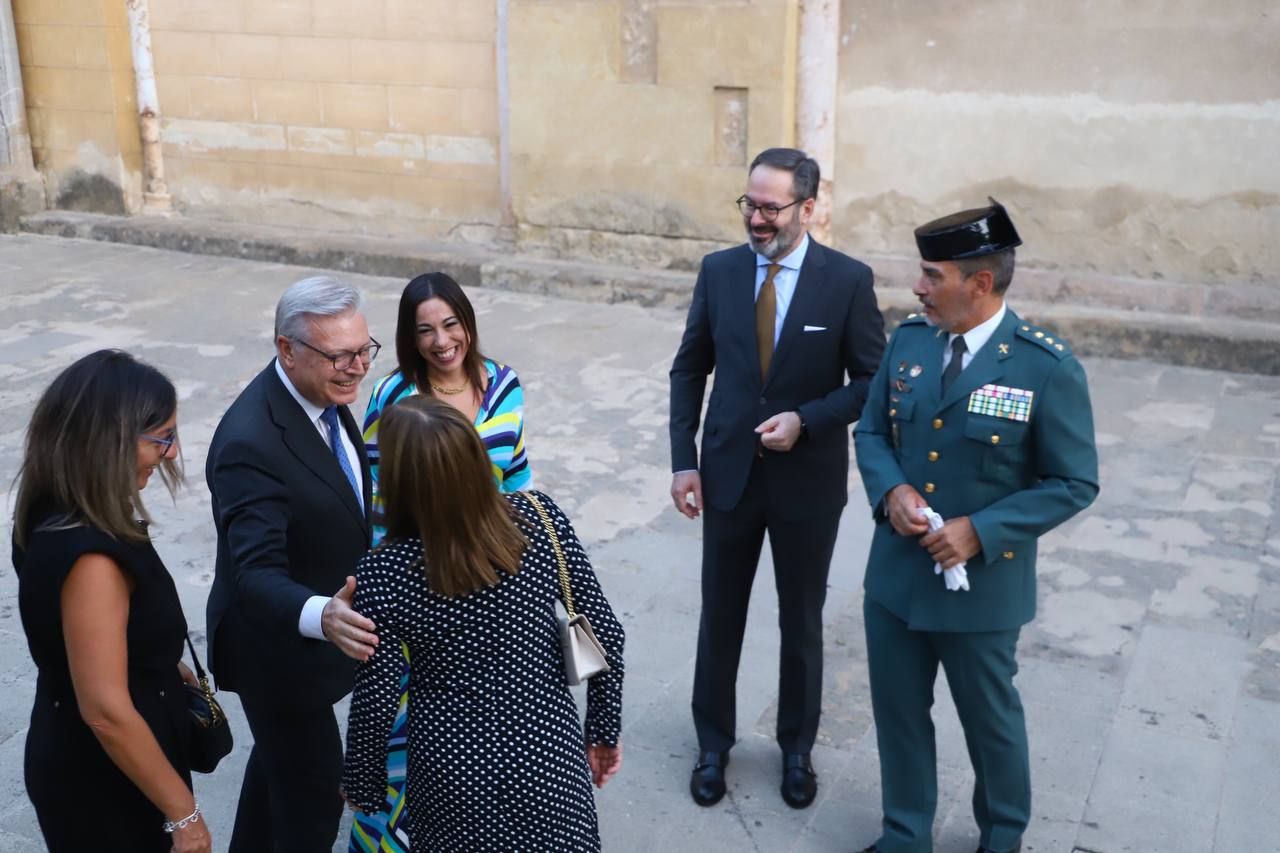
(309, 620)
(974, 339)
(784, 282)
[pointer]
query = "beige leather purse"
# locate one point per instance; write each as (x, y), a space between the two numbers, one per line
(583, 654)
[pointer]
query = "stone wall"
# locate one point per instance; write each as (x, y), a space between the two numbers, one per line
(78, 80)
(21, 188)
(1127, 139)
(376, 116)
(633, 121)
(379, 116)
(1134, 141)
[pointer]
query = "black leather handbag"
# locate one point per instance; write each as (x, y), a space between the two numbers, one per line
(210, 732)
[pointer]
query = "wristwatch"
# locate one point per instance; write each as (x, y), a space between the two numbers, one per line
(804, 427)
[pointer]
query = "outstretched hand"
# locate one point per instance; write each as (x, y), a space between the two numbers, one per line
(345, 628)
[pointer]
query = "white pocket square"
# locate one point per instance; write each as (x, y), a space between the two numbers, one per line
(815, 328)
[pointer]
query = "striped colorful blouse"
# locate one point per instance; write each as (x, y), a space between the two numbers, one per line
(500, 422)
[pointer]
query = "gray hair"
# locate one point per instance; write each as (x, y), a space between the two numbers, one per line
(318, 296)
(1000, 264)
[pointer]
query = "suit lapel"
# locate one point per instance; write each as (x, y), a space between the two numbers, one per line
(804, 299)
(987, 365)
(744, 303)
(303, 439)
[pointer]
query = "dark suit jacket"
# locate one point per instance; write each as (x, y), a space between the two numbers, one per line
(289, 527)
(808, 374)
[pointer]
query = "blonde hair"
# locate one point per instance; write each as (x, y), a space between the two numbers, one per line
(80, 458)
(437, 484)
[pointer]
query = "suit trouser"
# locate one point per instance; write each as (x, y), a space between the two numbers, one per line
(980, 667)
(731, 544)
(289, 800)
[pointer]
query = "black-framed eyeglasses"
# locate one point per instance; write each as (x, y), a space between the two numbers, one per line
(768, 211)
(165, 441)
(343, 360)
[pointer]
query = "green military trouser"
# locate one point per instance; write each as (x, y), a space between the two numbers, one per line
(980, 667)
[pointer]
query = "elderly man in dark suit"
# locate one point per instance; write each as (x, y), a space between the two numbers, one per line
(291, 487)
(793, 333)
(985, 420)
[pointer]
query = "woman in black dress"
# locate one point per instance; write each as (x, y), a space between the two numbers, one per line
(498, 760)
(106, 755)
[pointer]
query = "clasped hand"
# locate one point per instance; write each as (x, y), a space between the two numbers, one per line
(955, 543)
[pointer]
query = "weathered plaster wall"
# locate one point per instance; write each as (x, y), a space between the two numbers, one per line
(1128, 139)
(378, 116)
(15, 144)
(1131, 139)
(78, 81)
(633, 121)
(21, 188)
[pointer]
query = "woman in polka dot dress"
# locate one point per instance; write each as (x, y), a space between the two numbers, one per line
(498, 760)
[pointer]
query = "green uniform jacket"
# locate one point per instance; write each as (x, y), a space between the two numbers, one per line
(1016, 476)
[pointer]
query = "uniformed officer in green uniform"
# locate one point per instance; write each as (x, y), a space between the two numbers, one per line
(985, 419)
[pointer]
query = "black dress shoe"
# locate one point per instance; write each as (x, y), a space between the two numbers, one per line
(799, 781)
(706, 784)
(1017, 849)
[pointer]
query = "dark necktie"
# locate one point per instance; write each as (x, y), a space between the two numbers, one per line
(330, 418)
(955, 365)
(766, 317)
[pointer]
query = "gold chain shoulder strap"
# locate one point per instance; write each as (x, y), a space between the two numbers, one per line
(555, 546)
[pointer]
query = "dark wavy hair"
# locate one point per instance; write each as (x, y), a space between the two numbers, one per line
(435, 285)
(81, 453)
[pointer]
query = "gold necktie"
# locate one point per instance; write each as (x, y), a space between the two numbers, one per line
(766, 317)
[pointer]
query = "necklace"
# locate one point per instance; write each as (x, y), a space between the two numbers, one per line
(440, 389)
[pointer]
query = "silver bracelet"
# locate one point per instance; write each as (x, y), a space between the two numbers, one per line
(172, 826)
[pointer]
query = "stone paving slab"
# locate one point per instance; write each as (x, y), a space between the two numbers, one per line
(1161, 603)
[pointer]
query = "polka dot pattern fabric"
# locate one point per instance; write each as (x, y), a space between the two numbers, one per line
(497, 758)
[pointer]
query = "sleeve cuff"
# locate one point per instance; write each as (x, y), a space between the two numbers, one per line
(309, 621)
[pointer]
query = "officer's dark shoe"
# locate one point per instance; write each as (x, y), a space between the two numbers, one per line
(871, 849)
(706, 784)
(1016, 849)
(799, 781)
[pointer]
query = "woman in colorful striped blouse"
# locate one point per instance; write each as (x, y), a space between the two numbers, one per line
(438, 349)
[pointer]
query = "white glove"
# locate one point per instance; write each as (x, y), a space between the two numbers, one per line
(955, 577)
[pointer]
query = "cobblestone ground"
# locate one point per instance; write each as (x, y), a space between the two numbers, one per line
(1151, 677)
